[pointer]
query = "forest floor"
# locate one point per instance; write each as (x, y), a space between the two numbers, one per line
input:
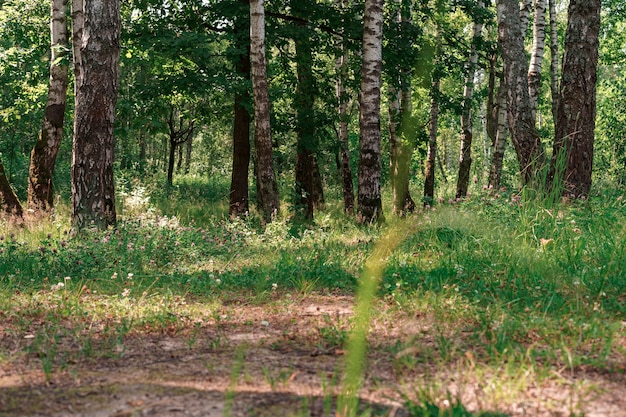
(281, 357)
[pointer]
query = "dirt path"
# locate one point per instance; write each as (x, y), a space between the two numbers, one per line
(277, 361)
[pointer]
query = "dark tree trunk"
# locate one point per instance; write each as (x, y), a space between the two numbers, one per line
(431, 157)
(44, 154)
(347, 186)
(574, 133)
(9, 202)
(93, 191)
(305, 123)
(178, 134)
(318, 186)
(188, 149)
(239, 199)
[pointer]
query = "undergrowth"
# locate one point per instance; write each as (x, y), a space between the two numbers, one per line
(514, 286)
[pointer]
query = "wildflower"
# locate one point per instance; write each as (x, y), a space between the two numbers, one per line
(427, 207)
(114, 276)
(126, 292)
(274, 286)
(130, 275)
(57, 286)
(218, 281)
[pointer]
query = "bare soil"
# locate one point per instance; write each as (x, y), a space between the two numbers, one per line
(280, 359)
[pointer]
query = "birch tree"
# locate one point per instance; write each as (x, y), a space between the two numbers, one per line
(524, 137)
(266, 181)
(572, 160)
(369, 197)
(44, 153)
(536, 54)
(465, 158)
(93, 191)
(554, 58)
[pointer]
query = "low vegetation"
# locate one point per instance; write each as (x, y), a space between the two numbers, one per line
(504, 293)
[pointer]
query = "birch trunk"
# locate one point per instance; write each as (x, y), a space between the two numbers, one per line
(370, 202)
(554, 59)
(525, 8)
(574, 133)
(341, 65)
(499, 147)
(266, 181)
(465, 158)
(44, 153)
(536, 55)
(93, 191)
(528, 147)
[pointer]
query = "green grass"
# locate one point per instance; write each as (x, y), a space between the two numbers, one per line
(513, 287)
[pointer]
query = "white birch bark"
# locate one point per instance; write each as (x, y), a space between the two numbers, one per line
(266, 180)
(554, 58)
(528, 146)
(43, 156)
(465, 157)
(536, 54)
(524, 15)
(369, 197)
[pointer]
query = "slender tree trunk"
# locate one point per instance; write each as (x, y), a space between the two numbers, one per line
(266, 180)
(575, 124)
(341, 65)
(431, 157)
(536, 55)
(188, 149)
(554, 59)
(499, 147)
(370, 202)
(528, 147)
(93, 191)
(400, 143)
(525, 8)
(492, 101)
(305, 120)
(178, 134)
(78, 24)
(318, 186)
(179, 160)
(465, 158)
(9, 203)
(239, 200)
(44, 154)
